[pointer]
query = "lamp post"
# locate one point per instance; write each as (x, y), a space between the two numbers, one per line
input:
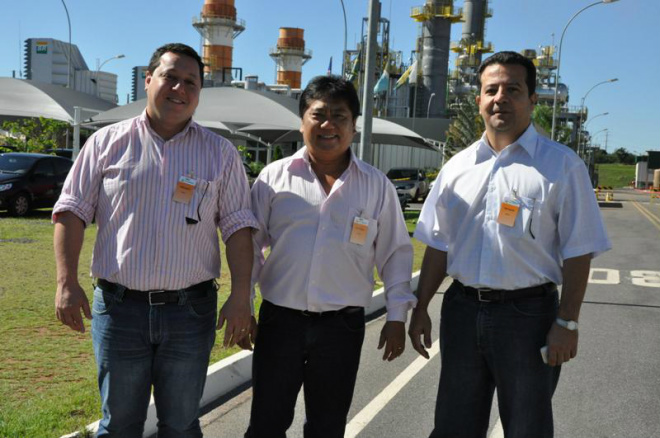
(561, 41)
(594, 117)
(579, 144)
(343, 55)
(98, 70)
(428, 108)
(594, 136)
(68, 70)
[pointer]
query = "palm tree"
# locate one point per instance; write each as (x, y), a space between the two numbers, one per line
(466, 127)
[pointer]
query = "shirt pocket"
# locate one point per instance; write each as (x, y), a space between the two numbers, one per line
(203, 205)
(524, 219)
(372, 231)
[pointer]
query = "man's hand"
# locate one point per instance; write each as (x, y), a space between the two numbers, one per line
(393, 338)
(248, 341)
(420, 328)
(69, 300)
(238, 315)
(562, 345)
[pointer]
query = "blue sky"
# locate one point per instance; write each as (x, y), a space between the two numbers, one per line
(606, 41)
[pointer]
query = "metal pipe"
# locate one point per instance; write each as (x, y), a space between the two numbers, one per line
(68, 77)
(561, 41)
(368, 91)
(428, 108)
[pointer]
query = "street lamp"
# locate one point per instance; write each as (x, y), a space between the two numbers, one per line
(582, 109)
(592, 119)
(561, 41)
(343, 55)
(428, 108)
(98, 70)
(68, 71)
(594, 136)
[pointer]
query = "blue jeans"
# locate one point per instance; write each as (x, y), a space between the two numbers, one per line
(291, 349)
(495, 345)
(136, 346)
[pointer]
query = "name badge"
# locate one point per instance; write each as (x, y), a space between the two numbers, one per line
(185, 189)
(508, 212)
(359, 231)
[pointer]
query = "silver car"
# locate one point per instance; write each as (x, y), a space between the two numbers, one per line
(411, 181)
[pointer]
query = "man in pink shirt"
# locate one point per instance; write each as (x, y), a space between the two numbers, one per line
(158, 186)
(328, 219)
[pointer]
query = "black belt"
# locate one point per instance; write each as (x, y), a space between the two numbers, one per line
(487, 295)
(328, 313)
(158, 297)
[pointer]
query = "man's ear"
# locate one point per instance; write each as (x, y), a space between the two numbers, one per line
(478, 99)
(534, 98)
(147, 81)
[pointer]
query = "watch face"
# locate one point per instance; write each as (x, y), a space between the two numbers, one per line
(572, 325)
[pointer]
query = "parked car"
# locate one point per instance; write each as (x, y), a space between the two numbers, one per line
(404, 198)
(411, 181)
(30, 181)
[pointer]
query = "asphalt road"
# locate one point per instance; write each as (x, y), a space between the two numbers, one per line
(610, 390)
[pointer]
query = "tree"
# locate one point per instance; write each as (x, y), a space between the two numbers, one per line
(623, 156)
(542, 116)
(466, 127)
(36, 135)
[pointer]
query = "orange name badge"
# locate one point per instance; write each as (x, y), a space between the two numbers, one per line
(508, 212)
(359, 231)
(185, 189)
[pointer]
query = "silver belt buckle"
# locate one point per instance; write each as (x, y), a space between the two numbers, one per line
(155, 292)
(479, 291)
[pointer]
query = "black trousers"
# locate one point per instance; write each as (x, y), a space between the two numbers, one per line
(293, 349)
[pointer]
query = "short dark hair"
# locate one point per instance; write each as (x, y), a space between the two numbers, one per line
(179, 49)
(330, 88)
(512, 58)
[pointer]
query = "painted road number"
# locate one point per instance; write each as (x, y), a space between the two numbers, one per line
(612, 276)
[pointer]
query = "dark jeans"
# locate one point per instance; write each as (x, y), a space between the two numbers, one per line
(291, 349)
(137, 346)
(495, 345)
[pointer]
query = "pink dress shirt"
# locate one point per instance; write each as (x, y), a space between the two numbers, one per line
(312, 264)
(125, 178)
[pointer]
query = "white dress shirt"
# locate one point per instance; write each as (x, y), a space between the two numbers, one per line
(312, 264)
(125, 178)
(558, 217)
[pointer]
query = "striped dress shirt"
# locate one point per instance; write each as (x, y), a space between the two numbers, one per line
(125, 179)
(313, 264)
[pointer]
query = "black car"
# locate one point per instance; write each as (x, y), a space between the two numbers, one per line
(30, 181)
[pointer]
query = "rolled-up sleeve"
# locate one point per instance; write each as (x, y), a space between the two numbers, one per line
(394, 257)
(234, 204)
(81, 188)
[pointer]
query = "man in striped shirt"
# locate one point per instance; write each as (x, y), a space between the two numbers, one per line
(158, 186)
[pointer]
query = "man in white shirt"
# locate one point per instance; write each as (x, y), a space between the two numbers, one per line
(508, 218)
(328, 219)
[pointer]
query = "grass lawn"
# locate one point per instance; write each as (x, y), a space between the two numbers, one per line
(47, 372)
(615, 175)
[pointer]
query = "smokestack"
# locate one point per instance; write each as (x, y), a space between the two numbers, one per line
(290, 55)
(218, 26)
(436, 17)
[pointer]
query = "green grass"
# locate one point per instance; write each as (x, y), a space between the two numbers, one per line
(615, 175)
(47, 372)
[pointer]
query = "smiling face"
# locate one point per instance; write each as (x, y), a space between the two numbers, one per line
(172, 93)
(504, 103)
(328, 127)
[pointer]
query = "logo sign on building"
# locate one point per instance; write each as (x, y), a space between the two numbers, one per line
(42, 47)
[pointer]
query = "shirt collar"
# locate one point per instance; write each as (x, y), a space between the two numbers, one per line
(527, 141)
(303, 156)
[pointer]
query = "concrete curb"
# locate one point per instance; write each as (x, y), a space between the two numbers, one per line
(233, 371)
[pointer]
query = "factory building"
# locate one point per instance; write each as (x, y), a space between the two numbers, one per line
(46, 60)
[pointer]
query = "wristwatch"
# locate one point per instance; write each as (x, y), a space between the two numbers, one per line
(570, 325)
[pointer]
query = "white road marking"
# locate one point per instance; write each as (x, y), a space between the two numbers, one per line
(646, 278)
(611, 276)
(369, 412)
